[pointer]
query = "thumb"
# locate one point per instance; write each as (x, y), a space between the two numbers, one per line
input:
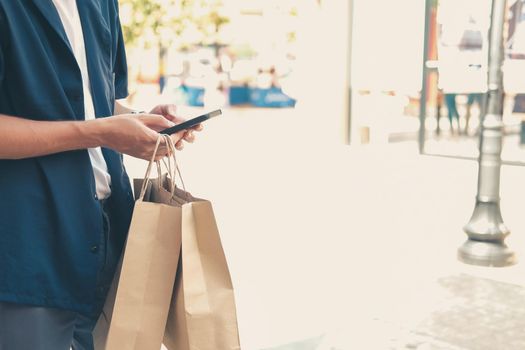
(171, 112)
(156, 122)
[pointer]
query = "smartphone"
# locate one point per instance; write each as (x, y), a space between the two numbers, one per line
(190, 123)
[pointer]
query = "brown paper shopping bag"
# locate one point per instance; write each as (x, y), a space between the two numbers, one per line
(137, 305)
(202, 312)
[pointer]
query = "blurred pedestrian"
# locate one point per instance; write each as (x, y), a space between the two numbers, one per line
(450, 102)
(472, 98)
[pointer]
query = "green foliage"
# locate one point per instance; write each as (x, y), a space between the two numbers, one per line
(167, 20)
(143, 15)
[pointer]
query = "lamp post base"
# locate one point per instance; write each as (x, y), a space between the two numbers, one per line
(486, 253)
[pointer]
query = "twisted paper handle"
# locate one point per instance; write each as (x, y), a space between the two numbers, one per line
(172, 171)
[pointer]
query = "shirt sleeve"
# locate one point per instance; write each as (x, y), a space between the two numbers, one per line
(121, 67)
(2, 43)
(2, 66)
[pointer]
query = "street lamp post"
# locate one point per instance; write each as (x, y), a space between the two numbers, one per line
(486, 230)
(349, 67)
(424, 80)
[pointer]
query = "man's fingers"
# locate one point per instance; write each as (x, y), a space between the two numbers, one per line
(171, 112)
(156, 122)
(177, 140)
(198, 127)
(189, 136)
(162, 152)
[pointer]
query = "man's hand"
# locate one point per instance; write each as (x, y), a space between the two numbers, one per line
(131, 134)
(170, 112)
(135, 135)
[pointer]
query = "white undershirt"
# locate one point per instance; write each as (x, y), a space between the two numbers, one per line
(68, 11)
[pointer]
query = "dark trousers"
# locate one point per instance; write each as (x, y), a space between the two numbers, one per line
(450, 100)
(27, 327)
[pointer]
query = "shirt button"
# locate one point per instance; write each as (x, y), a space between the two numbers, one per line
(96, 197)
(94, 249)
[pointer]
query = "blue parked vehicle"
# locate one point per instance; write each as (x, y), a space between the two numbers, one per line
(271, 97)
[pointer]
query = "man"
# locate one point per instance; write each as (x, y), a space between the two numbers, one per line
(65, 198)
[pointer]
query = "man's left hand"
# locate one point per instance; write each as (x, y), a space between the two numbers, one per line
(169, 111)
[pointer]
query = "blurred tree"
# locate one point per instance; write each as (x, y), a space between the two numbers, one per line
(211, 22)
(148, 22)
(164, 22)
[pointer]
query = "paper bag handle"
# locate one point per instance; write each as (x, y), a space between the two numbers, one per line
(171, 154)
(176, 170)
(148, 170)
(171, 171)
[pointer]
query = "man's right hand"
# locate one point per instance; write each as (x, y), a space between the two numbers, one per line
(135, 134)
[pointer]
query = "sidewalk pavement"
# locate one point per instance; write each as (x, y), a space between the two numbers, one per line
(334, 247)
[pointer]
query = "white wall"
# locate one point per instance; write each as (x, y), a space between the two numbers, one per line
(322, 70)
(387, 48)
(387, 52)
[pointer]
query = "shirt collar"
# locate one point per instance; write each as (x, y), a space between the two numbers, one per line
(88, 9)
(48, 10)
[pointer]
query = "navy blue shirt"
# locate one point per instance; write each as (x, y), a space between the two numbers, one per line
(50, 219)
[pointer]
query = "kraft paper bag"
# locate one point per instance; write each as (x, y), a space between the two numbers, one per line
(202, 313)
(137, 305)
